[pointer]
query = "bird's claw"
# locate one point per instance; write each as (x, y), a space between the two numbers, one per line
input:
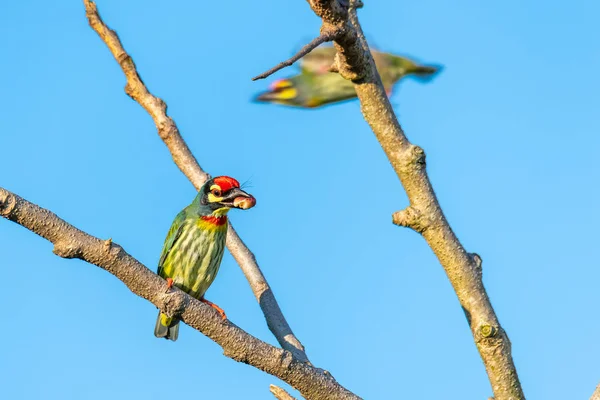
(169, 285)
(216, 307)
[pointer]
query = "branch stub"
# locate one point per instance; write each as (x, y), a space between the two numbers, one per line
(7, 203)
(488, 331)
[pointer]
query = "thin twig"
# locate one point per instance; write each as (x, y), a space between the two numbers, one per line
(187, 163)
(280, 393)
(327, 36)
(424, 214)
(70, 242)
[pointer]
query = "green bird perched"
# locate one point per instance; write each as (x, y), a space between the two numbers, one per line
(315, 86)
(194, 246)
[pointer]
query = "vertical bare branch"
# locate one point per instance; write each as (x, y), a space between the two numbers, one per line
(464, 270)
(424, 214)
(185, 160)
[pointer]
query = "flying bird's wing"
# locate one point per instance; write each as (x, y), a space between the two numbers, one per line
(318, 61)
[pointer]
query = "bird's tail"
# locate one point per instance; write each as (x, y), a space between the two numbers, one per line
(424, 72)
(166, 327)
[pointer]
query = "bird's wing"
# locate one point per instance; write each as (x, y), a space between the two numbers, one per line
(318, 61)
(172, 236)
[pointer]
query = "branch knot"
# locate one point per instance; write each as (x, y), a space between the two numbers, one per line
(67, 249)
(477, 263)
(173, 303)
(125, 60)
(7, 203)
(286, 359)
(411, 217)
(418, 155)
(487, 331)
(332, 11)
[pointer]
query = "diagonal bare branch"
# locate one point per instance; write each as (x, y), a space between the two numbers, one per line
(326, 36)
(596, 394)
(187, 163)
(70, 242)
(424, 214)
(280, 393)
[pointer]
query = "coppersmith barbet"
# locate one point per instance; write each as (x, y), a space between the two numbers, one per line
(315, 86)
(194, 246)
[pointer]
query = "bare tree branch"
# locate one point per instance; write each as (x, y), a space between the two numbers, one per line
(596, 394)
(424, 214)
(280, 393)
(185, 160)
(326, 36)
(70, 242)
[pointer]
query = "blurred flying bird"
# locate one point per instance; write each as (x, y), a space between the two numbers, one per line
(194, 246)
(316, 86)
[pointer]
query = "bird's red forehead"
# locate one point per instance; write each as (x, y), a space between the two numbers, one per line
(280, 84)
(226, 183)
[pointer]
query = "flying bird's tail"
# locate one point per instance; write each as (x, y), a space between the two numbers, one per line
(424, 72)
(166, 327)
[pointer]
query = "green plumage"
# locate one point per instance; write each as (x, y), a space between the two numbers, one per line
(315, 86)
(192, 253)
(194, 245)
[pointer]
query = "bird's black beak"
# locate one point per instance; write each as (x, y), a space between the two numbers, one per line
(237, 198)
(266, 97)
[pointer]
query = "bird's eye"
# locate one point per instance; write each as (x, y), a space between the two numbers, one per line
(216, 192)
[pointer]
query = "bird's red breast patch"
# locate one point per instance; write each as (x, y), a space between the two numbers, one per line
(226, 183)
(213, 220)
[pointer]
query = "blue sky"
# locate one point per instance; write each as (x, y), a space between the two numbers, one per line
(510, 128)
